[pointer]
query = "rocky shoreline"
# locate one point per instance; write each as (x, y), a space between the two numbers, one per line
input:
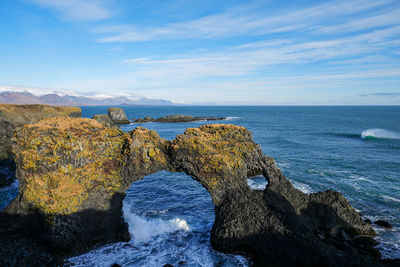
(73, 174)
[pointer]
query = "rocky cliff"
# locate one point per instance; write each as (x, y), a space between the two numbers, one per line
(13, 116)
(19, 115)
(74, 172)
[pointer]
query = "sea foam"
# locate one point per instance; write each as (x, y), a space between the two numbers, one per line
(144, 229)
(305, 188)
(257, 183)
(377, 133)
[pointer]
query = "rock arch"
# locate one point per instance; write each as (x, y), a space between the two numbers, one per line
(73, 174)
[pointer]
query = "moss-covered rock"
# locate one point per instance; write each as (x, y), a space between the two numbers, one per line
(148, 154)
(61, 160)
(12, 116)
(67, 166)
(219, 156)
(104, 119)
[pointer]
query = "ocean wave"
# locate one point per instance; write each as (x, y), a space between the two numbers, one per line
(231, 118)
(391, 198)
(377, 133)
(390, 249)
(143, 229)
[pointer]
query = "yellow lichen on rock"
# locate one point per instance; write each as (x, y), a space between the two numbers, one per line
(217, 147)
(62, 159)
(214, 154)
(147, 147)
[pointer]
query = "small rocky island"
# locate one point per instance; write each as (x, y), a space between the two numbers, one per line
(178, 118)
(117, 116)
(74, 172)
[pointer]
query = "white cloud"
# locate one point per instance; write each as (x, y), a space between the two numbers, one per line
(78, 10)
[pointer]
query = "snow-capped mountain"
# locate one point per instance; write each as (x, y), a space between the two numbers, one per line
(17, 95)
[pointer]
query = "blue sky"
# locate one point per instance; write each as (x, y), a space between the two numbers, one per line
(245, 52)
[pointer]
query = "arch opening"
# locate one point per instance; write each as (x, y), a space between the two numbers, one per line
(169, 216)
(258, 182)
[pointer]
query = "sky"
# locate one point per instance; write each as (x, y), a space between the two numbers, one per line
(190, 51)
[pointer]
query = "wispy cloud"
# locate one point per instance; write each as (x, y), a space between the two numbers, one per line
(78, 10)
(381, 94)
(385, 18)
(253, 57)
(247, 21)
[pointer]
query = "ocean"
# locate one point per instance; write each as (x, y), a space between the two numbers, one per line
(351, 149)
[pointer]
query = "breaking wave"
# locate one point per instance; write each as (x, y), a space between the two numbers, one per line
(144, 229)
(377, 133)
(231, 118)
(305, 188)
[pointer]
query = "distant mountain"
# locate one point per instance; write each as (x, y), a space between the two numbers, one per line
(14, 97)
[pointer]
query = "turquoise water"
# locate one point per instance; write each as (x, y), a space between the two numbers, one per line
(353, 150)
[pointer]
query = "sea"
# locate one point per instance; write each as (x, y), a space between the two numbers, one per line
(351, 149)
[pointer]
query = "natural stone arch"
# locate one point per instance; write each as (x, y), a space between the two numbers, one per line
(174, 209)
(279, 225)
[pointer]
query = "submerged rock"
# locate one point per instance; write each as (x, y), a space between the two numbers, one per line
(383, 224)
(118, 116)
(178, 118)
(73, 174)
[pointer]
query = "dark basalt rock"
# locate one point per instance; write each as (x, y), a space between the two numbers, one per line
(178, 118)
(7, 166)
(6, 132)
(118, 116)
(383, 224)
(91, 166)
(145, 119)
